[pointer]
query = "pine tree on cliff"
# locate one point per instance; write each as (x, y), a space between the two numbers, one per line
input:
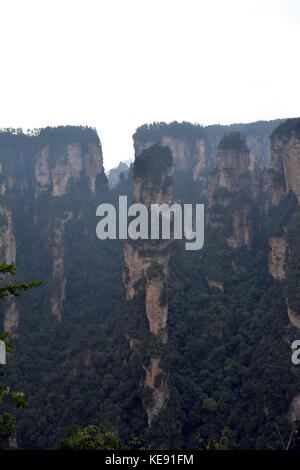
(7, 421)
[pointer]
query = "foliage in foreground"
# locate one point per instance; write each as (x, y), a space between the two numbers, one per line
(94, 438)
(7, 421)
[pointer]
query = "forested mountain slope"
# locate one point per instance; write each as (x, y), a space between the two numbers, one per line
(149, 339)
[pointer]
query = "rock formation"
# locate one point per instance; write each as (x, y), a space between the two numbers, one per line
(187, 156)
(73, 162)
(293, 317)
(283, 178)
(233, 159)
(284, 173)
(148, 260)
(294, 412)
(48, 164)
(277, 257)
(194, 147)
(58, 268)
(8, 255)
(115, 173)
(228, 186)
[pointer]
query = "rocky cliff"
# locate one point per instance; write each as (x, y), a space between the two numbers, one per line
(73, 162)
(228, 192)
(114, 175)
(199, 333)
(146, 262)
(38, 173)
(277, 257)
(8, 255)
(284, 170)
(187, 155)
(194, 147)
(283, 178)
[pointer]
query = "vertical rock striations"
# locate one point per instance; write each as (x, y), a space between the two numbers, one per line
(7, 252)
(284, 180)
(284, 173)
(277, 257)
(58, 266)
(233, 159)
(41, 175)
(56, 173)
(187, 154)
(194, 147)
(228, 192)
(146, 264)
(283, 177)
(284, 258)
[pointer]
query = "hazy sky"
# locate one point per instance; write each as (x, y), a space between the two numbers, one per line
(117, 64)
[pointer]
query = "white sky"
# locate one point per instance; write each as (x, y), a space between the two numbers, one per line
(117, 64)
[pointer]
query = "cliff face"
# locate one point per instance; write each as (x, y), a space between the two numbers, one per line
(284, 171)
(7, 249)
(187, 155)
(139, 261)
(233, 167)
(259, 146)
(115, 173)
(277, 257)
(33, 170)
(293, 316)
(148, 261)
(194, 147)
(79, 328)
(58, 266)
(74, 161)
(229, 187)
(242, 228)
(283, 178)
(8, 255)
(294, 412)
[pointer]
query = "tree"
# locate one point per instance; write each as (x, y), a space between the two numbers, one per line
(95, 438)
(90, 438)
(14, 289)
(225, 442)
(7, 421)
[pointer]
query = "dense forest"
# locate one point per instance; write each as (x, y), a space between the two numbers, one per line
(227, 358)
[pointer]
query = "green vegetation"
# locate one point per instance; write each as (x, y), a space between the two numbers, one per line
(7, 421)
(185, 130)
(154, 132)
(14, 289)
(153, 163)
(155, 270)
(90, 438)
(94, 438)
(225, 442)
(227, 360)
(288, 127)
(233, 140)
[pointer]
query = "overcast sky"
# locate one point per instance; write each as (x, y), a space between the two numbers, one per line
(117, 64)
